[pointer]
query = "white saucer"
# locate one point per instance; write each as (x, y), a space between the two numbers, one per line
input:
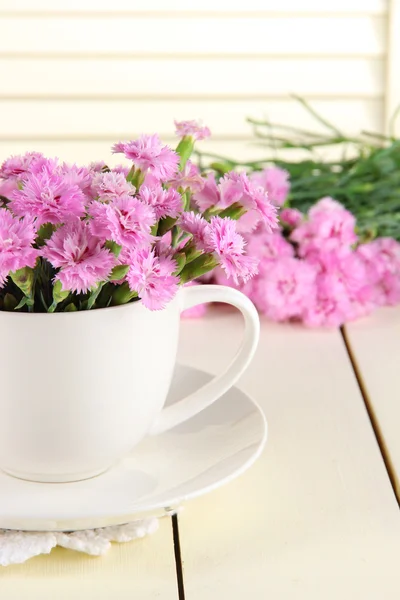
(162, 472)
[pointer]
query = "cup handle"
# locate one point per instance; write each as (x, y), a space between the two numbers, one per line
(219, 385)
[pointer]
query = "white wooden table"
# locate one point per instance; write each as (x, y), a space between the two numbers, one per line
(316, 517)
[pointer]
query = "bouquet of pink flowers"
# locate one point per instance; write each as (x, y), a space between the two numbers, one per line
(75, 238)
(315, 268)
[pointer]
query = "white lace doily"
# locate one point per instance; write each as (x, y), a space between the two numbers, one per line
(18, 546)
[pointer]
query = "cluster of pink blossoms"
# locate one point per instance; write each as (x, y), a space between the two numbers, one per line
(314, 269)
(136, 231)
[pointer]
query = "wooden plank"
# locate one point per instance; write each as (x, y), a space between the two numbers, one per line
(316, 516)
(392, 95)
(208, 79)
(195, 6)
(114, 119)
(375, 346)
(148, 36)
(139, 569)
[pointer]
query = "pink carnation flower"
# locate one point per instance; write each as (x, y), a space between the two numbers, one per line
(330, 228)
(148, 153)
(79, 255)
(286, 290)
(237, 188)
(324, 206)
(228, 245)
(80, 176)
(48, 198)
(165, 203)
(152, 278)
(110, 185)
(125, 220)
(196, 225)
(330, 306)
(7, 186)
(268, 247)
(382, 258)
(16, 239)
(18, 166)
(275, 181)
(344, 291)
(209, 195)
(291, 217)
(191, 128)
(188, 178)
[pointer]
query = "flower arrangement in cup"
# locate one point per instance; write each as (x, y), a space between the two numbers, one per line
(77, 238)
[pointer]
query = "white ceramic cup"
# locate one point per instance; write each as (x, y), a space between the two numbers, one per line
(80, 390)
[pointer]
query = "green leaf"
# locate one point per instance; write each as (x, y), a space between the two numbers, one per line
(201, 265)
(185, 149)
(94, 295)
(24, 300)
(135, 177)
(180, 260)
(191, 251)
(122, 295)
(118, 272)
(113, 247)
(45, 232)
(221, 168)
(235, 211)
(166, 225)
(59, 295)
(70, 307)
(10, 302)
(24, 279)
(186, 198)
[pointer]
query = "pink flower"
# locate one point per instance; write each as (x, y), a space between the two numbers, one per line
(125, 220)
(48, 198)
(152, 278)
(268, 247)
(165, 203)
(223, 239)
(191, 128)
(286, 289)
(330, 227)
(80, 176)
(97, 166)
(16, 239)
(79, 255)
(291, 217)
(110, 185)
(344, 291)
(196, 311)
(330, 306)
(196, 225)
(275, 181)
(148, 153)
(209, 195)
(7, 186)
(382, 259)
(18, 166)
(188, 178)
(324, 206)
(237, 188)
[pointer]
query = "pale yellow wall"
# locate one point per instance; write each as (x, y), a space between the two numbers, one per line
(77, 75)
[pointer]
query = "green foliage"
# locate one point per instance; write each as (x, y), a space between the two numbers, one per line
(199, 266)
(365, 178)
